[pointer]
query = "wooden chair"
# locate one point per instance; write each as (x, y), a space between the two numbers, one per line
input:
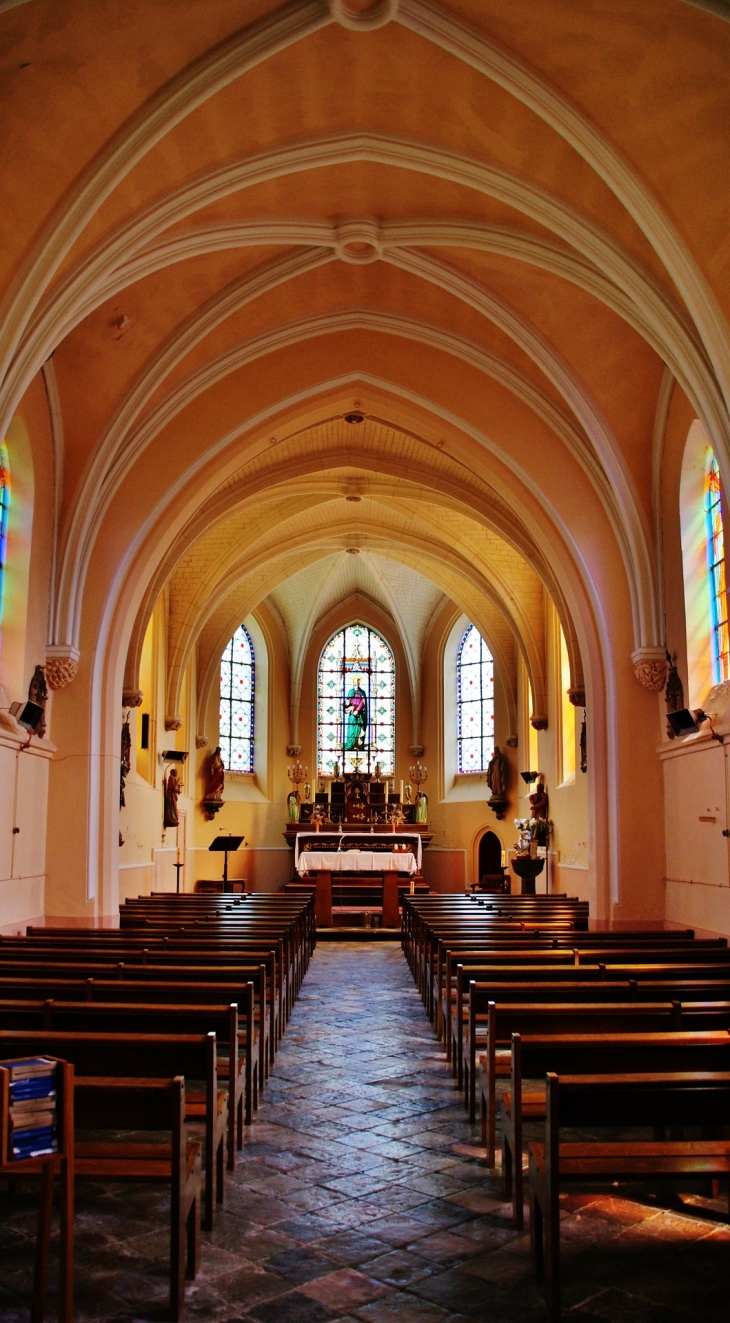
(139, 1105)
(59, 1164)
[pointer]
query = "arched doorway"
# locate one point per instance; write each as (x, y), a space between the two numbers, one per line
(490, 857)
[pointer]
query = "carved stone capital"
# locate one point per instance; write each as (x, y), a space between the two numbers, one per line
(512, 741)
(376, 15)
(417, 750)
(650, 668)
(172, 722)
(132, 697)
(62, 663)
(577, 696)
(293, 750)
(201, 741)
(539, 722)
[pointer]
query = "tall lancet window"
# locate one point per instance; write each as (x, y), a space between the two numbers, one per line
(4, 511)
(238, 683)
(356, 703)
(715, 543)
(474, 703)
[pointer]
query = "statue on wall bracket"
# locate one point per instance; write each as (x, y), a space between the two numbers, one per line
(171, 787)
(674, 691)
(215, 779)
(497, 782)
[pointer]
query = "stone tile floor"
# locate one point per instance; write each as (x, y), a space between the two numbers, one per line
(360, 1196)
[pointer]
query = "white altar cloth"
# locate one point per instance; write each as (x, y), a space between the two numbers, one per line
(342, 839)
(356, 861)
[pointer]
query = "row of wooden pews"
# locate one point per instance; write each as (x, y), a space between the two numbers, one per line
(585, 1029)
(176, 1014)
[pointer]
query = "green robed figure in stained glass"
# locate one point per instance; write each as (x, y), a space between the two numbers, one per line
(356, 708)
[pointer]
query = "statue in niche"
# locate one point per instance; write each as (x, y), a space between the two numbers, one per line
(126, 760)
(38, 694)
(215, 776)
(356, 708)
(539, 802)
(172, 787)
(497, 774)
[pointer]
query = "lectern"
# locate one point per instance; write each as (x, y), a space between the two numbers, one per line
(226, 843)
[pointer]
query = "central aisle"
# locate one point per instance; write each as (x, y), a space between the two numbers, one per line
(358, 1164)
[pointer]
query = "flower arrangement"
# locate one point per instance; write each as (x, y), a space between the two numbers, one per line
(533, 832)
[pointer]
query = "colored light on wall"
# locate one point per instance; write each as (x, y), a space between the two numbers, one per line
(715, 545)
(4, 514)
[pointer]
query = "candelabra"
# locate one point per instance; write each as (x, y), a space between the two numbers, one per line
(297, 774)
(418, 775)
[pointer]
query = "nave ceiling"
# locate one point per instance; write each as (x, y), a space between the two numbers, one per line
(488, 226)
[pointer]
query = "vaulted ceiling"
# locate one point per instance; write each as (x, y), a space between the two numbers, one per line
(491, 229)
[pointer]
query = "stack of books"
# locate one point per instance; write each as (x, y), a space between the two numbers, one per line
(32, 1107)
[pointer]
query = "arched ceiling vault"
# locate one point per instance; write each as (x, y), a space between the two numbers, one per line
(465, 185)
(344, 481)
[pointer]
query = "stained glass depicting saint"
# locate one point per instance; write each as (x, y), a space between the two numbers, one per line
(356, 703)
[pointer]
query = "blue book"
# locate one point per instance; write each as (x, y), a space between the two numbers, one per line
(34, 1150)
(40, 1087)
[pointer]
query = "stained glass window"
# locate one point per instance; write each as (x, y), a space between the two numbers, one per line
(4, 509)
(238, 682)
(715, 542)
(474, 703)
(356, 703)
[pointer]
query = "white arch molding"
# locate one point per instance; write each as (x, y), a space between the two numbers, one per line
(125, 591)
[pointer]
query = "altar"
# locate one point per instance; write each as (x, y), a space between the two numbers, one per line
(383, 861)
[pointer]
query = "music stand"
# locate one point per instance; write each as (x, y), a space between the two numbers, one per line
(226, 843)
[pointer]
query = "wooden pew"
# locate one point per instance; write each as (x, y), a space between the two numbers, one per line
(586, 1054)
(506, 1019)
(139, 1105)
(626, 1100)
(644, 974)
(157, 1018)
(145, 1056)
(79, 970)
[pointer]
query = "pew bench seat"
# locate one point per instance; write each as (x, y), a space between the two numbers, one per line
(672, 1099)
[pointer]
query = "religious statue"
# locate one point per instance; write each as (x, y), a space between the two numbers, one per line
(292, 805)
(125, 765)
(356, 708)
(378, 772)
(336, 771)
(172, 786)
(539, 799)
(674, 691)
(497, 774)
(38, 694)
(422, 806)
(215, 776)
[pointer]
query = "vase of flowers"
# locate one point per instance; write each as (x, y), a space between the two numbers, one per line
(532, 833)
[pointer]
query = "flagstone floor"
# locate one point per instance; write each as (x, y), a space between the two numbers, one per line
(360, 1196)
